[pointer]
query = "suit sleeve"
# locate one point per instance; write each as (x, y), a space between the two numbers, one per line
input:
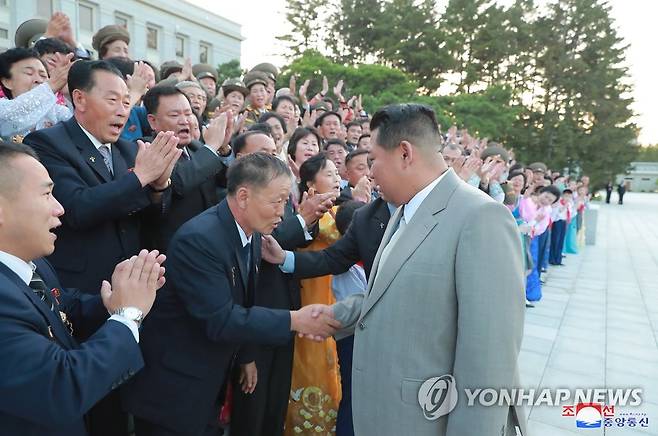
(201, 281)
(335, 259)
(490, 301)
(348, 312)
(87, 206)
(189, 174)
(64, 383)
(290, 234)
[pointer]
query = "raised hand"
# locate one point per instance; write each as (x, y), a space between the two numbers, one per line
(313, 206)
(186, 73)
(315, 321)
(292, 85)
(215, 133)
(338, 90)
(59, 26)
(302, 92)
(309, 119)
(59, 71)
(155, 159)
(293, 167)
(248, 377)
(325, 85)
(138, 81)
(134, 282)
(363, 190)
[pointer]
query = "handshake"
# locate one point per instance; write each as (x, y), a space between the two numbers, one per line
(315, 322)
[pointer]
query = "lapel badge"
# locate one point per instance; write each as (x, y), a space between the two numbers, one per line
(50, 332)
(233, 275)
(56, 294)
(66, 322)
(92, 159)
(381, 225)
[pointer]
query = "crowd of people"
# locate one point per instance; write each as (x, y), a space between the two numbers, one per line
(126, 164)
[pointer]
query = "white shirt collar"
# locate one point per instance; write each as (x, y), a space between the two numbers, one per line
(243, 235)
(21, 268)
(95, 141)
(412, 206)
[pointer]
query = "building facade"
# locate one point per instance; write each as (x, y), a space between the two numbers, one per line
(160, 30)
(642, 177)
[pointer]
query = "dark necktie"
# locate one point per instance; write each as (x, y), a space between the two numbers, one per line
(39, 287)
(246, 255)
(107, 157)
(186, 154)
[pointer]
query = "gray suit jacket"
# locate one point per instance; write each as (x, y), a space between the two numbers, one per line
(448, 300)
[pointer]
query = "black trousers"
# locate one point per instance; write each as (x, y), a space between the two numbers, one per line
(146, 428)
(263, 413)
(107, 418)
(558, 232)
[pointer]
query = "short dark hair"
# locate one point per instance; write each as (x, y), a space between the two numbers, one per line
(240, 142)
(10, 180)
(336, 141)
(81, 74)
(353, 124)
(152, 97)
(415, 123)
(267, 115)
(567, 191)
(551, 189)
(260, 128)
(345, 213)
(125, 65)
(283, 97)
(328, 99)
(51, 45)
(9, 58)
(322, 117)
(354, 153)
(299, 134)
(310, 169)
(256, 170)
(365, 135)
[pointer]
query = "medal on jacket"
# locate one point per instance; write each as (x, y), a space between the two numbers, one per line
(92, 159)
(66, 322)
(233, 275)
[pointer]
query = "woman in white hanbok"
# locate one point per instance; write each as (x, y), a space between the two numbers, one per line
(30, 102)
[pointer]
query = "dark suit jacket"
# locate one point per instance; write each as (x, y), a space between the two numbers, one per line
(101, 223)
(200, 320)
(360, 242)
(276, 289)
(192, 191)
(49, 381)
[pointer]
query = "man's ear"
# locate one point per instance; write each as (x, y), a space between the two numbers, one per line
(406, 152)
(79, 99)
(152, 122)
(242, 196)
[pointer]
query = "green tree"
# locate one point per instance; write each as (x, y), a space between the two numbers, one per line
(229, 70)
(306, 28)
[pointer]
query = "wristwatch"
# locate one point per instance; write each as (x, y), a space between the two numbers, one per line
(131, 313)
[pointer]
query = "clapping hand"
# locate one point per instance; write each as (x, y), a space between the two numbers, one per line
(134, 282)
(59, 71)
(155, 161)
(363, 190)
(313, 205)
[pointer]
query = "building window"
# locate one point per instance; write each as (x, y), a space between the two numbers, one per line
(4, 34)
(86, 17)
(204, 53)
(152, 38)
(121, 21)
(44, 8)
(180, 46)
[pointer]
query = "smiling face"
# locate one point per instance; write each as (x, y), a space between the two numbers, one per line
(104, 109)
(306, 147)
(235, 101)
(337, 153)
(173, 114)
(209, 85)
(117, 48)
(326, 180)
(25, 75)
(197, 97)
(29, 214)
(258, 96)
(287, 111)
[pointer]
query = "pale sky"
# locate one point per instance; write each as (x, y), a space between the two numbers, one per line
(263, 20)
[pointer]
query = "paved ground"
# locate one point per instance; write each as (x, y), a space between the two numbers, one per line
(597, 323)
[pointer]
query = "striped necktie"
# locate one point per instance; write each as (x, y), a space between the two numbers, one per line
(39, 287)
(107, 157)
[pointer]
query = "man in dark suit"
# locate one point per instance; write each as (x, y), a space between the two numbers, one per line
(193, 187)
(104, 184)
(204, 320)
(259, 408)
(50, 380)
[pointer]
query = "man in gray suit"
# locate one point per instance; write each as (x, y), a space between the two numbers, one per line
(445, 296)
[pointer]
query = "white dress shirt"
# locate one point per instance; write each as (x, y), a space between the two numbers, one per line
(25, 270)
